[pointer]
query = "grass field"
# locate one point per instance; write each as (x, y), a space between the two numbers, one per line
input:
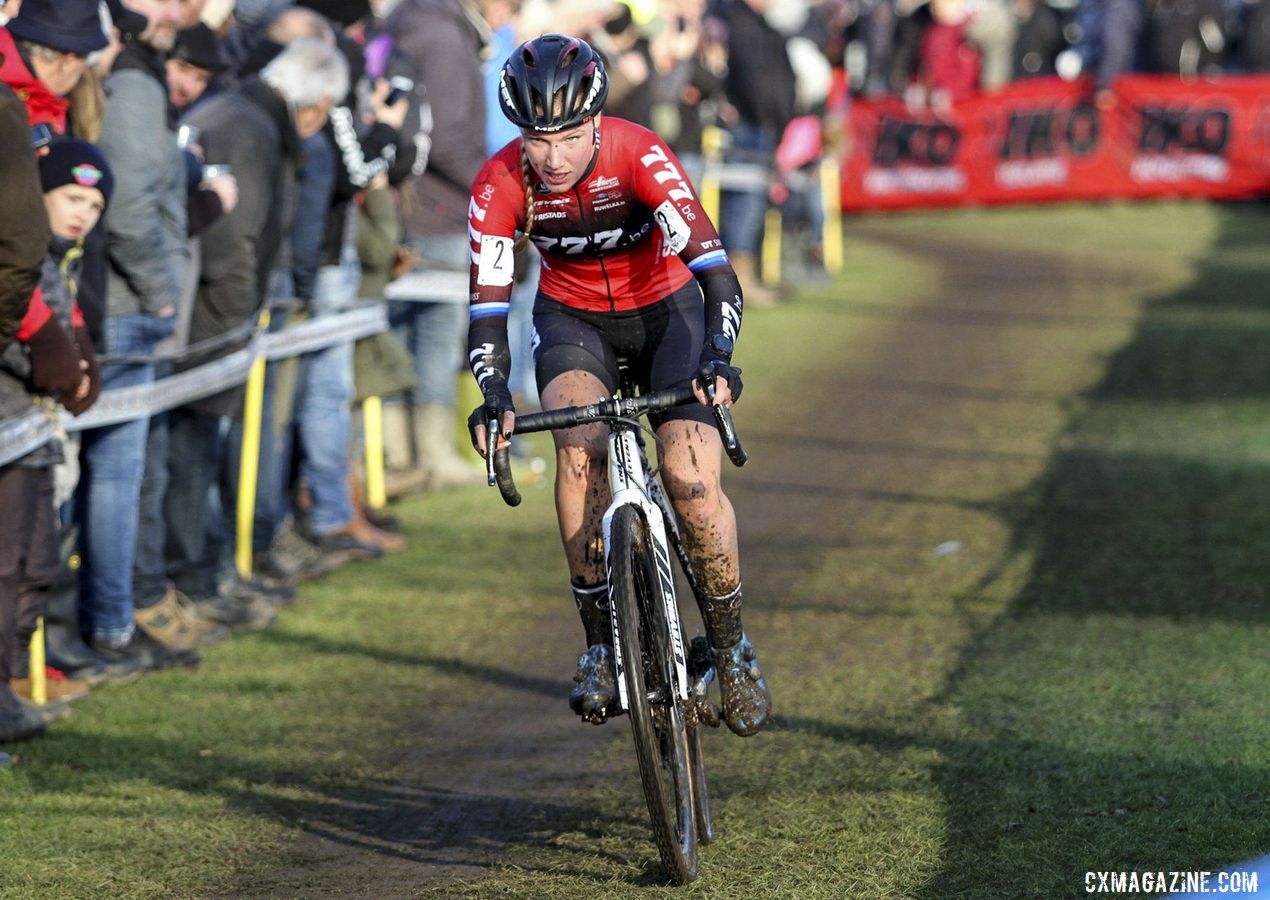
(1015, 620)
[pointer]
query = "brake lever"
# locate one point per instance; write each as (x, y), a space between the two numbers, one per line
(727, 430)
(498, 467)
(491, 441)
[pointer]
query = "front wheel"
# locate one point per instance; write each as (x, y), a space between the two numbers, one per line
(656, 713)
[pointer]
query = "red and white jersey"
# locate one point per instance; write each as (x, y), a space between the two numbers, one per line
(629, 233)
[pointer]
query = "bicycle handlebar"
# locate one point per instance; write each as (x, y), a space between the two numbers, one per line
(499, 472)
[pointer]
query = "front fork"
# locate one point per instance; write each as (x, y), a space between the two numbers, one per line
(629, 487)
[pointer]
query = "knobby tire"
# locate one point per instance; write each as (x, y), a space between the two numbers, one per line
(701, 797)
(656, 714)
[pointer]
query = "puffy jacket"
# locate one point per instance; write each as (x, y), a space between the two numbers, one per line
(445, 41)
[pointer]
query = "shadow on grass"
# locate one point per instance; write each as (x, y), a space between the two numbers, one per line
(1206, 340)
(451, 665)
(1042, 781)
(1029, 818)
(408, 818)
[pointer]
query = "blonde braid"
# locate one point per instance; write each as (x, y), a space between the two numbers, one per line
(527, 178)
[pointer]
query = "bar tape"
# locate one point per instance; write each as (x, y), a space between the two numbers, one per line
(31, 430)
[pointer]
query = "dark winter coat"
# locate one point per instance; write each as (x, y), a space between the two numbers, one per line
(445, 41)
(250, 129)
(57, 282)
(760, 81)
(24, 232)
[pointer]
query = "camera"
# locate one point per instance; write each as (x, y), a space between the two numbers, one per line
(399, 86)
(187, 135)
(216, 171)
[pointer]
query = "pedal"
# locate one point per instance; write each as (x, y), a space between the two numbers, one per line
(700, 711)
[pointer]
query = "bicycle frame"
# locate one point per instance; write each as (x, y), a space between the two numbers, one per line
(629, 488)
(684, 705)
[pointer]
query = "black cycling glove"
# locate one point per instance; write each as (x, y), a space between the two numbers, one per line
(716, 362)
(717, 368)
(498, 401)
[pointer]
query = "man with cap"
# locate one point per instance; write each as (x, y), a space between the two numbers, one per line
(196, 59)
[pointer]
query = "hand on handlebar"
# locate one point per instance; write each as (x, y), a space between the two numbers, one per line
(717, 383)
(498, 406)
(476, 426)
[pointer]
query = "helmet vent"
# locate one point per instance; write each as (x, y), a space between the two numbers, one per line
(552, 82)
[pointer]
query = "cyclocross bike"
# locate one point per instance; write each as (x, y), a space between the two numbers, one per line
(661, 684)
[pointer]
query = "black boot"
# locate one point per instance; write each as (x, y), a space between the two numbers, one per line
(18, 720)
(147, 653)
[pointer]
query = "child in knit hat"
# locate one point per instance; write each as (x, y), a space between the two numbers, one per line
(77, 183)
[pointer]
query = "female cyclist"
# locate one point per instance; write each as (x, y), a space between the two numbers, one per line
(632, 270)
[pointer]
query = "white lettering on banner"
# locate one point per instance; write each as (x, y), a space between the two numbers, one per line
(1171, 169)
(496, 261)
(914, 180)
(1032, 173)
(673, 227)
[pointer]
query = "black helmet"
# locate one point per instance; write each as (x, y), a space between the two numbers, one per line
(549, 66)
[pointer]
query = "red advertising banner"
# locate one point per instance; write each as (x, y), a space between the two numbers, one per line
(1047, 139)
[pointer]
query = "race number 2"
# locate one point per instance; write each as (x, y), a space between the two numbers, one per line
(673, 226)
(496, 264)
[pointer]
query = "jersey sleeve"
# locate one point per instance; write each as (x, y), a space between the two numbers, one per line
(495, 211)
(687, 232)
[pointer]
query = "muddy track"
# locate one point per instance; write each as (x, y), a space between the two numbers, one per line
(512, 769)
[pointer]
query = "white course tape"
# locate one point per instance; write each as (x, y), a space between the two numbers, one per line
(431, 285)
(752, 177)
(20, 435)
(324, 331)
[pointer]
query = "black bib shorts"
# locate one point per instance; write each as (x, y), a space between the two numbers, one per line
(660, 344)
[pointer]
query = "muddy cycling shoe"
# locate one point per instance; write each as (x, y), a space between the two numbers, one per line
(747, 703)
(594, 697)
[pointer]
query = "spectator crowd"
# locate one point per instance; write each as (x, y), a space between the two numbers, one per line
(178, 174)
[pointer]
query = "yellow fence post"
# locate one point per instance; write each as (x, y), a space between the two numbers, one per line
(831, 200)
(771, 252)
(249, 462)
(39, 678)
(373, 432)
(712, 158)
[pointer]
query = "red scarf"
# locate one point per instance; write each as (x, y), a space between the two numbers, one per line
(42, 105)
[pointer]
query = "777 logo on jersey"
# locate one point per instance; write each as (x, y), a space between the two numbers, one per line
(668, 171)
